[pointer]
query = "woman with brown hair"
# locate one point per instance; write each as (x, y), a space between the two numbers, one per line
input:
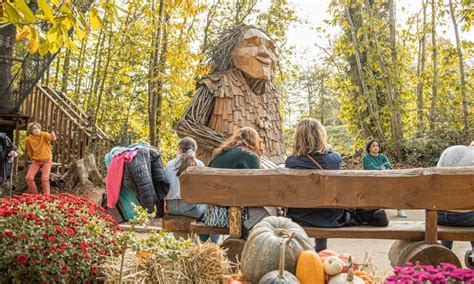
(241, 151)
(312, 151)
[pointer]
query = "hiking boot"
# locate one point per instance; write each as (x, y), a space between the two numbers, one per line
(401, 213)
(469, 259)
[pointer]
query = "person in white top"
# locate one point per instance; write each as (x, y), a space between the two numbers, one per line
(187, 147)
(176, 206)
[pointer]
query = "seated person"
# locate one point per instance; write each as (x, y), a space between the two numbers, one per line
(458, 156)
(374, 160)
(176, 206)
(241, 151)
(311, 151)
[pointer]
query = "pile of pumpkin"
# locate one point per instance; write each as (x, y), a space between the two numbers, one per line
(279, 251)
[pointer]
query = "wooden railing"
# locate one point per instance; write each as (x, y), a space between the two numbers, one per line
(56, 112)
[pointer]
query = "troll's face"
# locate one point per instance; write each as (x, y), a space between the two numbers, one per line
(255, 55)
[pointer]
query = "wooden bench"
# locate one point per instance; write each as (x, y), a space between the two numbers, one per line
(430, 189)
(178, 225)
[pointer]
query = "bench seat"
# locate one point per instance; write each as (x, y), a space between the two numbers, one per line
(396, 230)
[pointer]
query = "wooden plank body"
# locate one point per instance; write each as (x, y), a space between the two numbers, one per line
(428, 188)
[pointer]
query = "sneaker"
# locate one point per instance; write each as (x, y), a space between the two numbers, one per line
(469, 259)
(401, 213)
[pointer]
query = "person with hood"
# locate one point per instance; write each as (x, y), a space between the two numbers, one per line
(8, 152)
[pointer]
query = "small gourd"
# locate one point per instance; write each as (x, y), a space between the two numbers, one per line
(309, 268)
(333, 265)
(346, 278)
(280, 276)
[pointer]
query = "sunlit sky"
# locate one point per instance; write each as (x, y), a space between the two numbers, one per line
(304, 36)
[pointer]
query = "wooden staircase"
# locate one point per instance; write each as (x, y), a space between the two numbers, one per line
(75, 134)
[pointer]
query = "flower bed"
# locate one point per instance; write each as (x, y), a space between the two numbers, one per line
(416, 273)
(54, 238)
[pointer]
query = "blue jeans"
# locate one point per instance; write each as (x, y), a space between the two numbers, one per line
(179, 207)
(455, 219)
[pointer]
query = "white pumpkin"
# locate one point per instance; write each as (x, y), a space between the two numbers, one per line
(333, 265)
(346, 279)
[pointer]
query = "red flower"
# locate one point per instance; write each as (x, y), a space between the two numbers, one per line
(59, 230)
(52, 238)
(85, 254)
(46, 236)
(71, 231)
(102, 251)
(83, 245)
(95, 270)
(22, 258)
(53, 249)
(63, 246)
(8, 234)
(23, 236)
(30, 216)
(64, 269)
(91, 210)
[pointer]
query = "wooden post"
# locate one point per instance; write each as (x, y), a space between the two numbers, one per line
(235, 222)
(431, 227)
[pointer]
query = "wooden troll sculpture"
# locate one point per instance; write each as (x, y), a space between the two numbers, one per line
(237, 93)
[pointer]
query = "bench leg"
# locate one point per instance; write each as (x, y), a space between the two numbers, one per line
(404, 251)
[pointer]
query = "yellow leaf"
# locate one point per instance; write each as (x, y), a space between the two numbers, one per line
(55, 2)
(12, 13)
(43, 47)
(79, 31)
(53, 33)
(25, 10)
(33, 40)
(94, 19)
(21, 35)
(47, 11)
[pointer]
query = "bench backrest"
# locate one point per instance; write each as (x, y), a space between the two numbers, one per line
(422, 188)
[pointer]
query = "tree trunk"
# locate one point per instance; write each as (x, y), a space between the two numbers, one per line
(160, 81)
(435, 65)
(95, 71)
(7, 44)
(421, 75)
(397, 126)
(80, 66)
(65, 78)
(153, 74)
(462, 75)
(360, 73)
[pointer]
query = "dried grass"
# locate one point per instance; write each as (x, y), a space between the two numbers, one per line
(206, 263)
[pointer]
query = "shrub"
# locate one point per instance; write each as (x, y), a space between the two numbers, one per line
(416, 273)
(53, 238)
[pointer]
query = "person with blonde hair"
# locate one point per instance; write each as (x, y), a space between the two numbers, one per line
(241, 151)
(38, 145)
(312, 151)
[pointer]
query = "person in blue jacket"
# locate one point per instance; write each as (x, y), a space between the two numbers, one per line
(312, 151)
